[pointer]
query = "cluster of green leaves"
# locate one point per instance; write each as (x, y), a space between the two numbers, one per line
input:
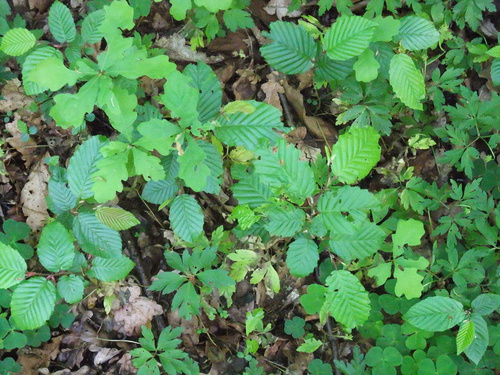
(195, 279)
(204, 18)
(173, 360)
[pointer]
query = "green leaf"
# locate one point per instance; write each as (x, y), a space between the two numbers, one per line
(282, 168)
(246, 129)
(138, 64)
(33, 303)
(465, 336)
(116, 218)
(187, 301)
(192, 166)
(206, 82)
(82, 165)
(12, 267)
(476, 350)
(17, 41)
(365, 240)
(167, 282)
(96, 238)
(178, 89)
(60, 198)
(407, 81)
(386, 29)
(214, 5)
(158, 192)
(355, 154)
(70, 109)
(417, 33)
(409, 282)
(381, 273)
(157, 134)
(348, 37)
(106, 269)
(119, 15)
(237, 19)
(52, 73)
(249, 190)
(408, 232)
(91, 26)
(291, 50)
(302, 257)
(346, 300)
(55, 248)
(318, 367)
(295, 327)
(486, 303)
(147, 165)
(61, 23)
(178, 8)
(70, 288)
(366, 67)
(435, 314)
(285, 221)
(495, 71)
(213, 161)
(310, 345)
(31, 61)
(327, 69)
(186, 217)
(119, 105)
(215, 279)
(112, 170)
(350, 200)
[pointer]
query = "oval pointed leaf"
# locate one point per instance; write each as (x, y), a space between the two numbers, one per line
(96, 238)
(302, 257)
(186, 217)
(246, 129)
(475, 351)
(363, 242)
(116, 218)
(355, 154)
(417, 33)
(348, 37)
(82, 165)
(285, 221)
(55, 248)
(111, 269)
(70, 288)
(33, 303)
(407, 81)
(465, 336)
(291, 50)
(205, 80)
(346, 300)
(435, 314)
(12, 267)
(158, 192)
(90, 26)
(61, 23)
(17, 41)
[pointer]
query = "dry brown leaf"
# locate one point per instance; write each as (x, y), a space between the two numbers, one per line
(177, 49)
(135, 312)
(33, 196)
(13, 97)
(34, 359)
(272, 88)
(280, 9)
(245, 87)
(318, 127)
(24, 148)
